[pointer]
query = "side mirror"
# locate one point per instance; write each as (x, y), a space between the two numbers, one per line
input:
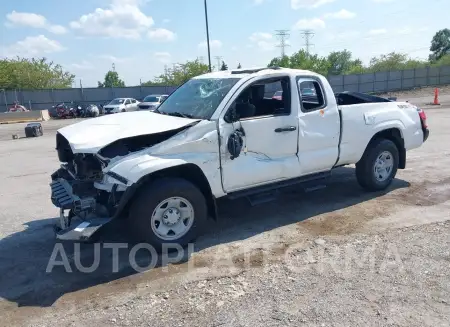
(231, 116)
(234, 144)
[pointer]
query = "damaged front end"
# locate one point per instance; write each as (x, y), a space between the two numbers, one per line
(87, 197)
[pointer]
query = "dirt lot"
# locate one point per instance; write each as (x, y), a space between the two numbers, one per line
(333, 257)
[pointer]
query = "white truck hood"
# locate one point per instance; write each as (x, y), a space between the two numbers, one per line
(90, 135)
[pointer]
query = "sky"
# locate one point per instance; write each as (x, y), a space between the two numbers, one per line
(140, 37)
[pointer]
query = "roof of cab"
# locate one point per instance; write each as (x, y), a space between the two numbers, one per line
(241, 73)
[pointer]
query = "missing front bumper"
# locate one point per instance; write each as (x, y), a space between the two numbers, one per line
(78, 209)
(81, 231)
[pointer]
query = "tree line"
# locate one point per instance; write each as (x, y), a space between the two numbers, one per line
(23, 73)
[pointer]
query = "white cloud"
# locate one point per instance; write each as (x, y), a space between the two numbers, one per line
(378, 31)
(163, 57)
(161, 34)
(314, 23)
(214, 44)
(297, 4)
(114, 59)
(33, 46)
(166, 21)
(260, 36)
(84, 65)
(123, 19)
(32, 20)
(263, 41)
(341, 14)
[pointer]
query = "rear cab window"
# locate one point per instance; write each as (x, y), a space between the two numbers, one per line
(311, 94)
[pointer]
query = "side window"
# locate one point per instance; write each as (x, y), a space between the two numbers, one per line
(133, 100)
(259, 100)
(311, 95)
(127, 101)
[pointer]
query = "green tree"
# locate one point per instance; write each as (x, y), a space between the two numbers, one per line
(341, 62)
(443, 61)
(440, 45)
(315, 63)
(239, 66)
(280, 62)
(180, 74)
(394, 61)
(224, 66)
(112, 79)
(23, 73)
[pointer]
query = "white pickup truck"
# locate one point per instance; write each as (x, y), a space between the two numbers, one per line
(223, 135)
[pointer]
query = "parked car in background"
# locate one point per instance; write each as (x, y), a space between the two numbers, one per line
(121, 105)
(308, 92)
(16, 107)
(151, 102)
(91, 110)
(65, 111)
(278, 95)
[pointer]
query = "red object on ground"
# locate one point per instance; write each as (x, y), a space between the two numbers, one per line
(17, 107)
(436, 96)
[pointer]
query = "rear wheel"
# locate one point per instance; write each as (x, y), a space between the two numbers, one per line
(169, 210)
(378, 166)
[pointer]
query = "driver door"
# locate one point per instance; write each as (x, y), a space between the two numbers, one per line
(270, 137)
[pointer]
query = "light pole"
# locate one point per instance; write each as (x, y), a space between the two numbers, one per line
(207, 36)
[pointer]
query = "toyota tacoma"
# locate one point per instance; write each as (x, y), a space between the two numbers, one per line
(222, 134)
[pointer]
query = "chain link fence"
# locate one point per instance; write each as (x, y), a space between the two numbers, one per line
(366, 83)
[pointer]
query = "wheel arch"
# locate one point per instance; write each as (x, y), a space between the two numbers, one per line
(394, 135)
(188, 171)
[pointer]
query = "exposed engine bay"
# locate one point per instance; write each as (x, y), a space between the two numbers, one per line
(75, 180)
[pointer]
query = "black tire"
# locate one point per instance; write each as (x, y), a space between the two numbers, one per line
(156, 192)
(124, 110)
(365, 167)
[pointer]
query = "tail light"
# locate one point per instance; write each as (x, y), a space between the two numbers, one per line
(423, 117)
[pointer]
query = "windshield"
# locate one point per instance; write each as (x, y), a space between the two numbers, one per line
(151, 98)
(117, 101)
(198, 98)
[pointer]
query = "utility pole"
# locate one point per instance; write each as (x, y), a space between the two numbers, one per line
(113, 67)
(219, 59)
(308, 35)
(282, 35)
(207, 36)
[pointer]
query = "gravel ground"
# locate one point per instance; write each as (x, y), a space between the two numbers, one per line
(333, 257)
(395, 278)
(423, 96)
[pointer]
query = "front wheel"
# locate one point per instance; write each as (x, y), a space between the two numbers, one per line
(169, 210)
(378, 166)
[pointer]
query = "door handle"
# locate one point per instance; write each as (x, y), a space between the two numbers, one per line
(285, 129)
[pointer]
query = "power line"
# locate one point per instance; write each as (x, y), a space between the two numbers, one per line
(219, 59)
(283, 35)
(308, 35)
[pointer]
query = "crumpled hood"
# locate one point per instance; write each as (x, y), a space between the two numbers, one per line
(90, 135)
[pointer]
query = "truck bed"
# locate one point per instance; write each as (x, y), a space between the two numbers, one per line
(359, 122)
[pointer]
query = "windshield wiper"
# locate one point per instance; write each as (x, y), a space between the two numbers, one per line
(179, 114)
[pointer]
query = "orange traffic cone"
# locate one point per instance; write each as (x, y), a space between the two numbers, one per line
(436, 97)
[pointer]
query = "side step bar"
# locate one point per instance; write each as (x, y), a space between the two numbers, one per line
(309, 182)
